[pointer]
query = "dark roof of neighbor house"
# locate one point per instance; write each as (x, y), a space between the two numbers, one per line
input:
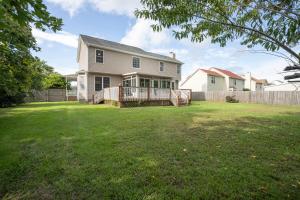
(229, 73)
(122, 47)
(209, 72)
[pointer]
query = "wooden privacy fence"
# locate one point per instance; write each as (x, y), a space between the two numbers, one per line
(263, 97)
(47, 95)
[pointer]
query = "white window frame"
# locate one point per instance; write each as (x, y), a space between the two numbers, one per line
(140, 63)
(102, 82)
(102, 56)
(163, 66)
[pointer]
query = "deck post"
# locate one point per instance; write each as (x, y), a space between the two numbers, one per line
(120, 93)
(148, 93)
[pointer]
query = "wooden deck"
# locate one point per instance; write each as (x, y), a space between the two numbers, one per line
(151, 96)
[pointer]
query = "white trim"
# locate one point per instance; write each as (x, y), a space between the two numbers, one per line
(140, 63)
(132, 53)
(96, 56)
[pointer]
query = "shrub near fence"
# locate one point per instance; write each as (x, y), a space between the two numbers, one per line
(264, 97)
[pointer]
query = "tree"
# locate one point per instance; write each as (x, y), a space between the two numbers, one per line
(16, 41)
(40, 71)
(55, 80)
(273, 24)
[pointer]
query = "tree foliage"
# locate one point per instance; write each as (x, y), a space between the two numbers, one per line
(273, 24)
(17, 17)
(55, 80)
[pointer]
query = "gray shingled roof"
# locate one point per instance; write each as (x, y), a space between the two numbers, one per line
(114, 45)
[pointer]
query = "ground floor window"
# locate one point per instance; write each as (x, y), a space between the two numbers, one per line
(129, 81)
(155, 83)
(101, 82)
(165, 84)
(144, 82)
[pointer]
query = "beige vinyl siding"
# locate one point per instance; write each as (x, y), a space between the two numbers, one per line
(121, 63)
(82, 87)
(239, 84)
(83, 56)
(115, 81)
(219, 84)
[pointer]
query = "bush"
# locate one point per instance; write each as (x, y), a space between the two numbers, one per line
(231, 99)
(246, 89)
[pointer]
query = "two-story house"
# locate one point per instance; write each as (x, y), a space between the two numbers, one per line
(203, 80)
(104, 64)
(213, 79)
(233, 81)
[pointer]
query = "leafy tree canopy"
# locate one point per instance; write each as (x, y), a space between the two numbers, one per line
(273, 24)
(17, 17)
(55, 80)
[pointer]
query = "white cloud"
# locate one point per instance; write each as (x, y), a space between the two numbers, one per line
(270, 69)
(119, 7)
(142, 35)
(61, 37)
(70, 6)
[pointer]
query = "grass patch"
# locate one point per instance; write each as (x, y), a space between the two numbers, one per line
(203, 151)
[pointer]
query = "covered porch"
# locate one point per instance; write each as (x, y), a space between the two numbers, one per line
(136, 79)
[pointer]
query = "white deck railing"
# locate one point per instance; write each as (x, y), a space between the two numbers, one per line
(122, 94)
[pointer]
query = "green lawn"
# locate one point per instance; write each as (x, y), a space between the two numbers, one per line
(203, 151)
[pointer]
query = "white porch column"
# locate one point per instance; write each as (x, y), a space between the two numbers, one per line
(137, 81)
(137, 84)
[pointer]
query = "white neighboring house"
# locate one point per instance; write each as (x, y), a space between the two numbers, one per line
(253, 84)
(233, 81)
(203, 80)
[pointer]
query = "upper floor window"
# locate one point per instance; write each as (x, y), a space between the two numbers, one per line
(234, 81)
(99, 56)
(135, 62)
(213, 79)
(161, 66)
(178, 69)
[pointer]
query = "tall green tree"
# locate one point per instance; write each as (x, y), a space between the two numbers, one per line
(17, 17)
(55, 80)
(273, 24)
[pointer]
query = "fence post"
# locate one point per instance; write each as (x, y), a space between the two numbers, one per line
(120, 93)
(47, 95)
(190, 100)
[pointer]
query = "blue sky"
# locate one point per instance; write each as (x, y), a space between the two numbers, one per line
(114, 20)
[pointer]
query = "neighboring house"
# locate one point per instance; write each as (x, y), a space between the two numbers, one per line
(104, 64)
(253, 84)
(233, 81)
(203, 80)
